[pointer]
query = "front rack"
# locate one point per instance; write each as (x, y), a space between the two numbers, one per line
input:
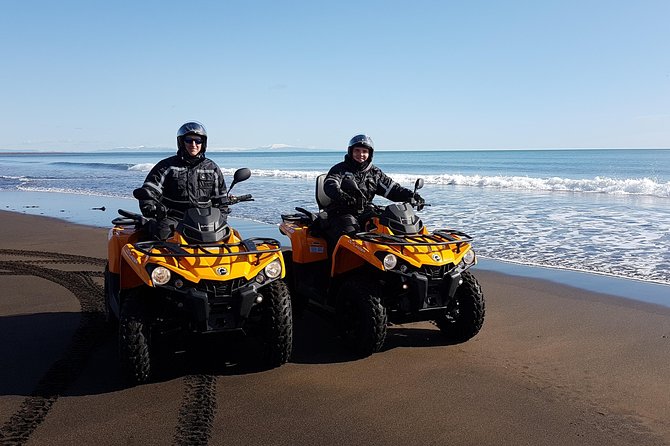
(439, 237)
(249, 245)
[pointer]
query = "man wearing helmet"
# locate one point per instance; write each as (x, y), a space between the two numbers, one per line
(182, 180)
(343, 215)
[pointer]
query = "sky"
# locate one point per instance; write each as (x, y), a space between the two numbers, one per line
(87, 75)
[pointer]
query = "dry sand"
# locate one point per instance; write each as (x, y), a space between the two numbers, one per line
(553, 365)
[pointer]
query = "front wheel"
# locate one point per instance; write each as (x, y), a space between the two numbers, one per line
(464, 316)
(276, 324)
(110, 287)
(134, 342)
(361, 317)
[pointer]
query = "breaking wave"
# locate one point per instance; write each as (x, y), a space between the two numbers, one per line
(604, 185)
(106, 166)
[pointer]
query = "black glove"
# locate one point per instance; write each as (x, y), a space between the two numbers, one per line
(151, 209)
(346, 199)
(148, 208)
(418, 201)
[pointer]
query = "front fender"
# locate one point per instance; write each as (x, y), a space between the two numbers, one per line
(132, 261)
(350, 254)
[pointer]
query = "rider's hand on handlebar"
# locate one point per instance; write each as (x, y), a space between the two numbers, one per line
(148, 209)
(418, 201)
(346, 199)
(151, 209)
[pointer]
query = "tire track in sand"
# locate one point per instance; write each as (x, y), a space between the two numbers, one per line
(63, 372)
(196, 414)
(198, 407)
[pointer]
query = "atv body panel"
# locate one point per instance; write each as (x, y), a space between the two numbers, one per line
(425, 278)
(396, 271)
(204, 279)
(213, 286)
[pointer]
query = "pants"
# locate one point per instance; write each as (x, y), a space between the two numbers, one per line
(340, 225)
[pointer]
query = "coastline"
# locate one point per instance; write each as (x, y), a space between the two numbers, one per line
(553, 364)
(85, 210)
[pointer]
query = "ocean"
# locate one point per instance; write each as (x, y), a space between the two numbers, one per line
(595, 210)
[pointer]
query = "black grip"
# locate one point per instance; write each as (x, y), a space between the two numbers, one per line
(129, 214)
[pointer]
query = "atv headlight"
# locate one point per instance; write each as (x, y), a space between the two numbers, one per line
(273, 270)
(160, 275)
(469, 257)
(390, 261)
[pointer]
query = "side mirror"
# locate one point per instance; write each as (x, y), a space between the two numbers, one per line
(240, 175)
(143, 194)
(418, 185)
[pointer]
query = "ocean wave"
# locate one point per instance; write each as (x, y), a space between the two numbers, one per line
(604, 185)
(107, 166)
(628, 186)
(75, 191)
(142, 167)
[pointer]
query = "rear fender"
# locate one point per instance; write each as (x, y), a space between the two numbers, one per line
(306, 248)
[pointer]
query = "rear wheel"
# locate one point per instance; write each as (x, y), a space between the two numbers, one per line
(134, 342)
(465, 314)
(298, 301)
(361, 317)
(276, 324)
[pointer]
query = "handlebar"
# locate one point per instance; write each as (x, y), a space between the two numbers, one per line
(219, 200)
(240, 198)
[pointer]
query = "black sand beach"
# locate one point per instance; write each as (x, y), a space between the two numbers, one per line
(553, 365)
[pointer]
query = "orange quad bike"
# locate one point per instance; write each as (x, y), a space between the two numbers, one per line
(396, 271)
(202, 280)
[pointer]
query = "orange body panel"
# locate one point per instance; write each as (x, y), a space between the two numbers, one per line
(351, 253)
(306, 248)
(131, 263)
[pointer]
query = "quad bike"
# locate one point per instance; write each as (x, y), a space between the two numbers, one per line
(395, 271)
(202, 280)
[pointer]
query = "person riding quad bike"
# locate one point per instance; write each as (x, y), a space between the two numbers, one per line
(343, 214)
(199, 277)
(181, 179)
(393, 271)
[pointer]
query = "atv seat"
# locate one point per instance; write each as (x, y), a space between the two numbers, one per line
(316, 221)
(320, 222)
(322, 199)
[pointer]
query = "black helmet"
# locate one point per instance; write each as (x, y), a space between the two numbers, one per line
(191, 128)
(360, 141)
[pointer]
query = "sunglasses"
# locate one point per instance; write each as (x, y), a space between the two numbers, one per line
(195, 140)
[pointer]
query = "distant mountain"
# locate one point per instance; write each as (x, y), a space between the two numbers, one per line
(284, 148)
(269, 148)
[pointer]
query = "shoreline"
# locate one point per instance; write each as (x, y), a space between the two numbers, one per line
(85, 211)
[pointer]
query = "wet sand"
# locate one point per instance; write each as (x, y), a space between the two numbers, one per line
(553, 365)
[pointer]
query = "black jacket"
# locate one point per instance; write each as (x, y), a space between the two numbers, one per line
(370, 180)
(188, 180)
